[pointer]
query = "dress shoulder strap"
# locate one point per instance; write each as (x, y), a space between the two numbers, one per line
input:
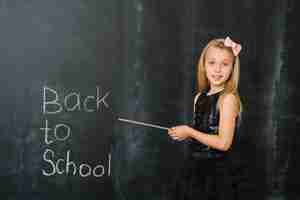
(196, 98)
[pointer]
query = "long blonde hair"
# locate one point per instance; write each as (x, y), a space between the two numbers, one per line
(231, 85)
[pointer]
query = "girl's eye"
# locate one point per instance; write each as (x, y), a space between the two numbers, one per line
(211, 62)
(226, 64)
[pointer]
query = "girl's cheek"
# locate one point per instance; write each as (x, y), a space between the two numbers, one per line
(227, 70)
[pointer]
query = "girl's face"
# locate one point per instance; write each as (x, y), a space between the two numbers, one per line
(218, 66)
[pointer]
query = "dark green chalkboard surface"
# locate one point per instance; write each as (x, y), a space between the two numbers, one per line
(68, 70)
(59, 60)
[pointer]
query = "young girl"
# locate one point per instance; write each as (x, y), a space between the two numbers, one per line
(217, 109)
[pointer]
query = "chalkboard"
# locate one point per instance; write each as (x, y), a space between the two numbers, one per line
(59, 61)
(68, 71)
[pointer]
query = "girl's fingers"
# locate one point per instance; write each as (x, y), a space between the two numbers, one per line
(172, 133)
(171, 130)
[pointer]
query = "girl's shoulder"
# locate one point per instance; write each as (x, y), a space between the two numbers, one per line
(230, 100)
(229, 95)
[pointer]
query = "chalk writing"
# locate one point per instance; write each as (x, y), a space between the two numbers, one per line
(52, 99)
(67, 166)
(53, 103)
(65, 129)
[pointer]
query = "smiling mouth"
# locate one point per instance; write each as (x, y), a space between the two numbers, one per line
(217, 77)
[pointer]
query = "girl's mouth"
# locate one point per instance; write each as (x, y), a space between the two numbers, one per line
(217, 77)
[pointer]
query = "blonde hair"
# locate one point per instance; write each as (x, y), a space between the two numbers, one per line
(231, 85)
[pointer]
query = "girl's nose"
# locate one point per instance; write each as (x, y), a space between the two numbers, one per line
(218, 68)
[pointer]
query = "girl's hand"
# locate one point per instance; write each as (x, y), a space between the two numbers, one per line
(180, 132)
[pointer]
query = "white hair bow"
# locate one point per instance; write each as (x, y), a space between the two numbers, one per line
(236, 48)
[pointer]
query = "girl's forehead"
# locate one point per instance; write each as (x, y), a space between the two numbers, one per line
(216, 52)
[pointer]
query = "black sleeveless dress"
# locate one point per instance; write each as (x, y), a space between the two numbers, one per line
(207, 170)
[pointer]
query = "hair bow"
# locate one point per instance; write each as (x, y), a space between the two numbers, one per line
(236, 48)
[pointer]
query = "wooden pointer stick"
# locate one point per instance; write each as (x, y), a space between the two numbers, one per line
(143, 124)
